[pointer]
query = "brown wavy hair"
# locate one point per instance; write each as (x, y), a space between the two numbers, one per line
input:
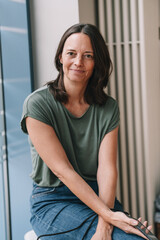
(94, 93)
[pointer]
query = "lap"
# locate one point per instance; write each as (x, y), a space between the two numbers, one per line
(56, 210)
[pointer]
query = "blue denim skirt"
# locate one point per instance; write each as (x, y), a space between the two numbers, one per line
(56, 213)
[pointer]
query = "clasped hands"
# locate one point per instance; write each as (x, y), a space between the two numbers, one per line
(118, 219)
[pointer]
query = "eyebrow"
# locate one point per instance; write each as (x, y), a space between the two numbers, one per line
(89, 52)
(75, 51)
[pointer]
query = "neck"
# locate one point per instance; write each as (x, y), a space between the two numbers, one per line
(75, 92)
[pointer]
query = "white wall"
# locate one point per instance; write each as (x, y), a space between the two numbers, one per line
(87, 11)
(49, 20)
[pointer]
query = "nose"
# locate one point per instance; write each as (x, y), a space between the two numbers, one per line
(78, 61)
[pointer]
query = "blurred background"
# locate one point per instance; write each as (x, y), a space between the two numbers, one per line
(30, 31)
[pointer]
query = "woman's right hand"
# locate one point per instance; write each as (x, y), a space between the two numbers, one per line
(127, 224)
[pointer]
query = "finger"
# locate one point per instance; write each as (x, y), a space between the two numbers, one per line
(136, 231)
(131, 221)
(139, 219)
(144, 225)
(148, 229)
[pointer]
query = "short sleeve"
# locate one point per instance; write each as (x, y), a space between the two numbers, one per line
(35, 106)
(115, 117)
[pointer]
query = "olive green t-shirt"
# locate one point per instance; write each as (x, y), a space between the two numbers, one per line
(80, 136)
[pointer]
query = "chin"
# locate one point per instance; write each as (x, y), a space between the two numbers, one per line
(78, 79)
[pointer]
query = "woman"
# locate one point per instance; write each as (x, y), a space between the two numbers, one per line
(73, 127)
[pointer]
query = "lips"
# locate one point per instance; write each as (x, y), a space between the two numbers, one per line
(78, 70)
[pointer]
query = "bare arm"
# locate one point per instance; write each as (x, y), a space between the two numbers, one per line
(107, 168)
(107, 178)
(51, 151)
(47, 145)
(107, 183)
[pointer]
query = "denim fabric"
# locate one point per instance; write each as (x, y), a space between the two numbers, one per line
(55, 210)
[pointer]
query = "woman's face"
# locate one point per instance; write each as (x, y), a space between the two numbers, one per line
(77, 58)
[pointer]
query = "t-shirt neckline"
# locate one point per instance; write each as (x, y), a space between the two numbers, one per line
(72, 115)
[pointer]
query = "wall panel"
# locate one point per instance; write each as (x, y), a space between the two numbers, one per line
(126, 27)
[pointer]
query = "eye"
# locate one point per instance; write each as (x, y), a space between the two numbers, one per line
(71, 53)
(88, 56)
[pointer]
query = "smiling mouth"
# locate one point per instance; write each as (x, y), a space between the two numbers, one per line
(77, 70)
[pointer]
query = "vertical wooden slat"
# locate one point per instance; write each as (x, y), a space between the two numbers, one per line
(137, 110)
(129, 111)
(101, 17)
(123, 157)
(110, 27)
